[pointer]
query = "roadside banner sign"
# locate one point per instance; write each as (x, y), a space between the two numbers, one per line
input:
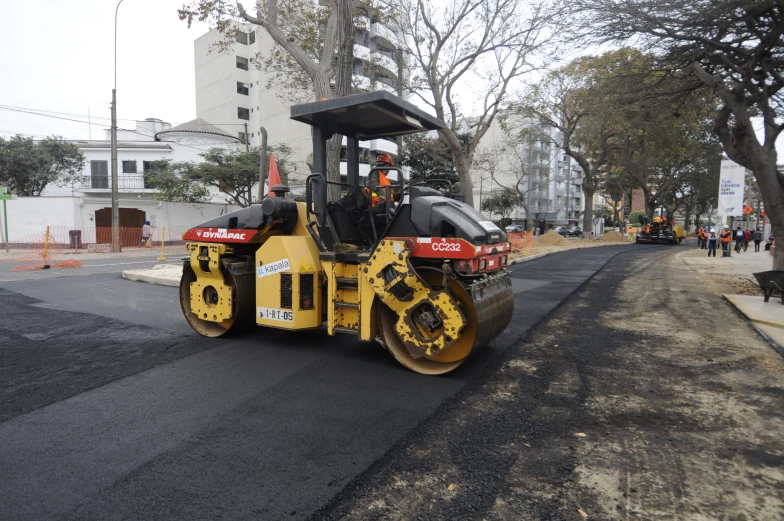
(7, 197)
(731, 184)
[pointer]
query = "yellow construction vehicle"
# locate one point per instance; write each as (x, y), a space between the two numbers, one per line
(422, 274)
(659, 231)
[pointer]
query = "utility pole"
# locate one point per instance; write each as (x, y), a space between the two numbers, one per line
(481, 181)
(247, 140)
(262, 163)
(116, 247)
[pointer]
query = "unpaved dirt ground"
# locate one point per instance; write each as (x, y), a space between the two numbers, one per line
(735, 273)
(642, 397)
(570, 244)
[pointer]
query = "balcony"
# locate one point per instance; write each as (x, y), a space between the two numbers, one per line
(363, 83)
(384, 36)
(126, 182)
(539, 194)
(375, 57)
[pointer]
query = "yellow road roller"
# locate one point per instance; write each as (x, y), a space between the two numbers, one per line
(422, 274)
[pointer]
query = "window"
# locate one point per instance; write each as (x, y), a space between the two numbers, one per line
(243, 113)
(99, 174)
(242, 88)
(148, 167)
(253, 37)
(243, 136)
(242, 63)
(129, 167)
(241, 37)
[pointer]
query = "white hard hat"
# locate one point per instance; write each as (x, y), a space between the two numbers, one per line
(713, 230)
(726, 226)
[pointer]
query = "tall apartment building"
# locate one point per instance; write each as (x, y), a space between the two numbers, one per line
(553, 188)
(232, 92)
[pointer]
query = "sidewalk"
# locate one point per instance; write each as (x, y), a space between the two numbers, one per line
(736, 273)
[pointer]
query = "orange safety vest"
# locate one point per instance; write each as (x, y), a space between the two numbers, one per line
(725, 236)
(382, 181)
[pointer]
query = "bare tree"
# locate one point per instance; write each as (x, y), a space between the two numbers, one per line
(734, 47)
(325, 58)
(477, 49)
(520, 163)
(571, 100)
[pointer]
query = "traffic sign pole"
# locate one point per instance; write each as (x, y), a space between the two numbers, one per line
(5, 225)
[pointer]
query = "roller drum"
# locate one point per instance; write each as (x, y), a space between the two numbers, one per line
(242, 310)
(488, 305)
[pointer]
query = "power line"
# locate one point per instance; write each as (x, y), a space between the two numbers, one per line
(96, 124)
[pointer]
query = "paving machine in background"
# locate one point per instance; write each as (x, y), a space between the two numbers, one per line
(422, 274)
(659, 231)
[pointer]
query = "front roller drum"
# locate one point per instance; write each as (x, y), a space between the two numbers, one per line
(488, 309)
(242, 288)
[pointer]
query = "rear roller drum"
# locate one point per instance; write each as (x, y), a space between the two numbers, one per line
(242, 287)
(485, 322)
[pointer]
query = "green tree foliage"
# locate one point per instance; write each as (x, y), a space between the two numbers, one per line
(234, 173)
(27, 166)
(637, 217)
(173, 183)
(428, 158)
(733, 47)
(501, 202)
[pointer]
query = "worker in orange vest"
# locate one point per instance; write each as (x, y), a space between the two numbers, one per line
(383, 159)
(703, 235)
(726, 235)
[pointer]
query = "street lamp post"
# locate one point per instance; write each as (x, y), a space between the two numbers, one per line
(116, 247)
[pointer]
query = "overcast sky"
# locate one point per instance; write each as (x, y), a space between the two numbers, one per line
(57, 56)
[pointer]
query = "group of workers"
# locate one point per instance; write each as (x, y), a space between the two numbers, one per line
(710, 239)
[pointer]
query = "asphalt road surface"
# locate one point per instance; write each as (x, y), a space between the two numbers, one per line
(642, 397)
(111, 407)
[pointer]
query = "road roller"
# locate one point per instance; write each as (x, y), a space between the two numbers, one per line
(371, 256)
(659, 231)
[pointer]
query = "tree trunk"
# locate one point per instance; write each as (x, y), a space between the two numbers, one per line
(461, 164)
(529, 223)
(588, 215)
(773, 198)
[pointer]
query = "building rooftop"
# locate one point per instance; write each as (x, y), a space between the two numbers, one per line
(198, 126)
(145, 145)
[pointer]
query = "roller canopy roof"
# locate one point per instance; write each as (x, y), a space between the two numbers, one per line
(366, 116)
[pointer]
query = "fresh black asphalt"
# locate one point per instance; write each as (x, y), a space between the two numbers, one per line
(112, 408)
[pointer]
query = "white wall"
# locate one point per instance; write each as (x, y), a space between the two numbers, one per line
(29, 216)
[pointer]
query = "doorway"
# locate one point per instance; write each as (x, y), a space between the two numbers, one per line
(131, 222)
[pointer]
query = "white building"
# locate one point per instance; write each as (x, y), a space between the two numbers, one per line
(152, 140)
(86, 202)
(553, 188)
(233, 92)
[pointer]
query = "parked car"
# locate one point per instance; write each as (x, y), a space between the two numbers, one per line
(575, 231)
(514, 228)
(562, 230)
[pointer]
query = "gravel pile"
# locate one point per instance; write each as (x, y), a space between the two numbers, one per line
(552, 238)
(612, 237)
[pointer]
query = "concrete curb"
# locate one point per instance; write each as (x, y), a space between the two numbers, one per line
(162, 278)
(757, 327)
